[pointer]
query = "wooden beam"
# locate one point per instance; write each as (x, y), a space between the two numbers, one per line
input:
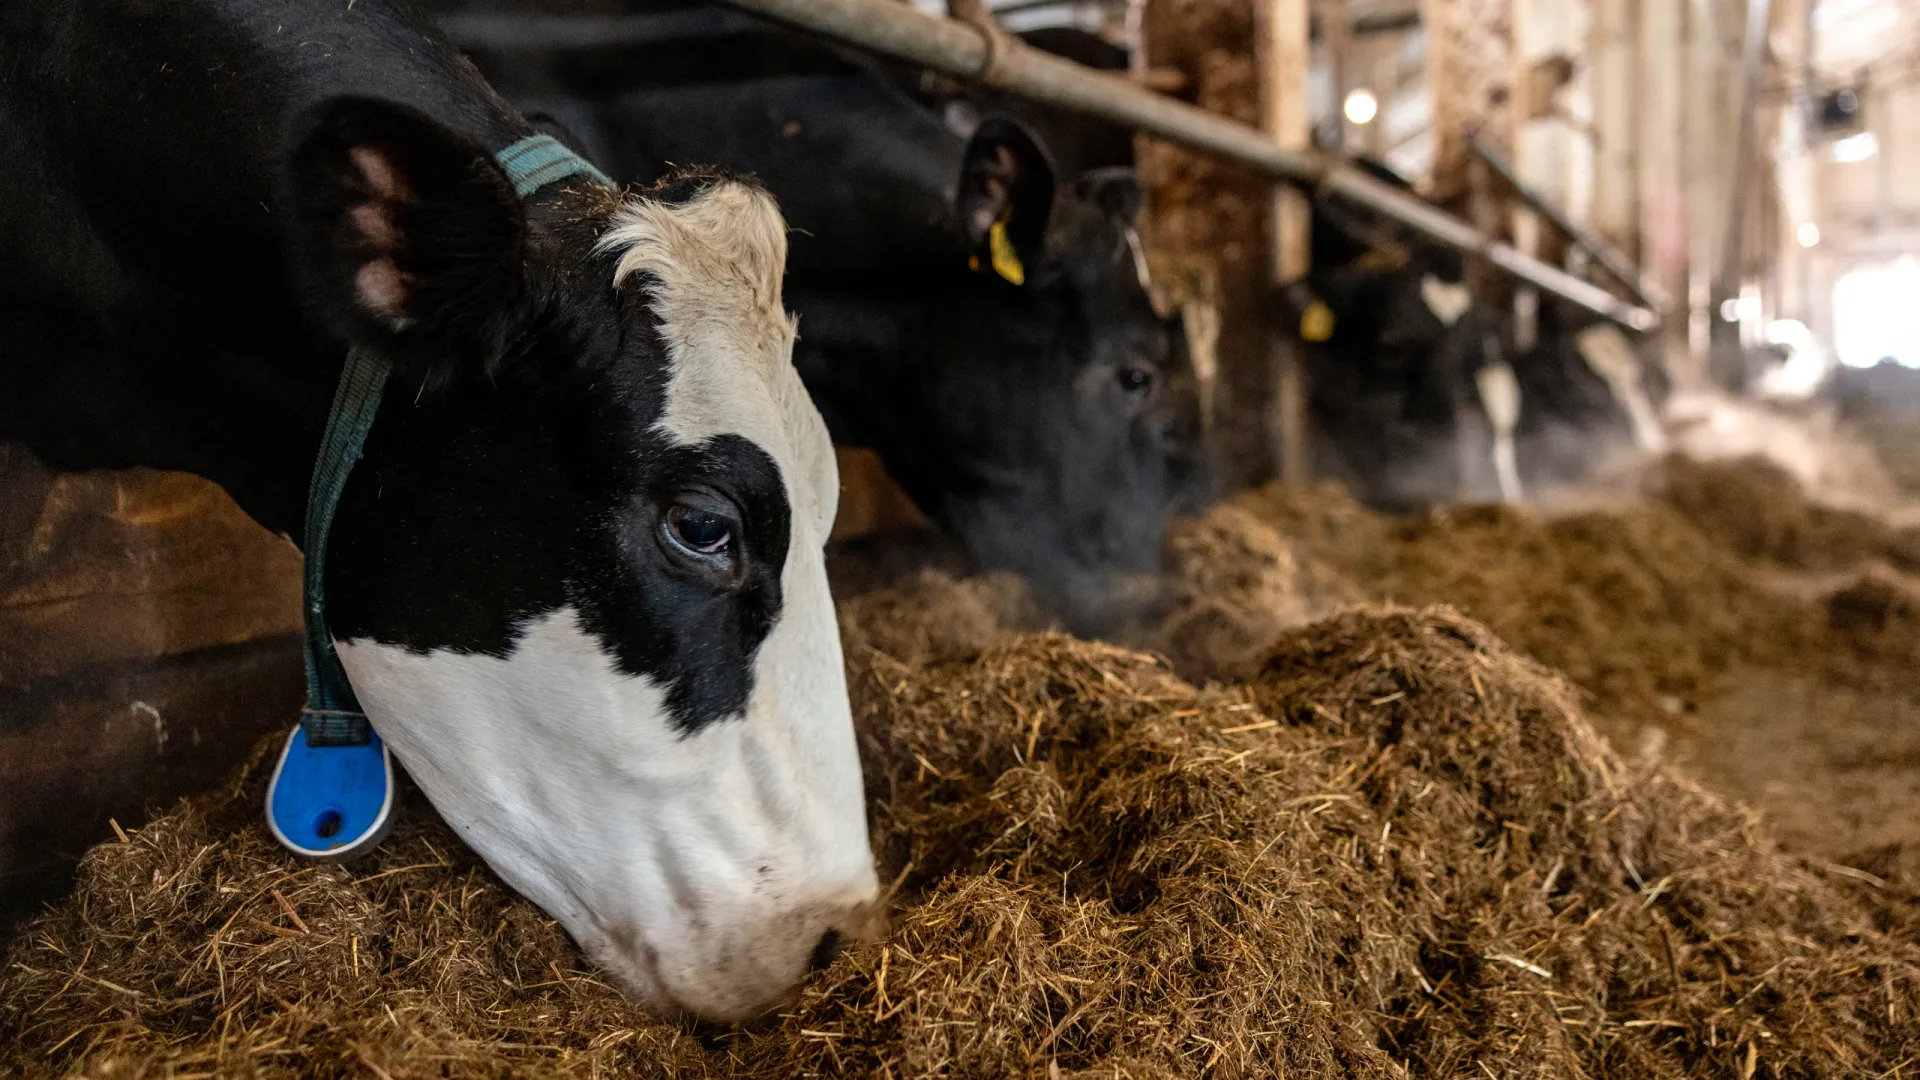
(1382, 59)
(1709, 115)
(1530, 166)
(1729, 272)
(1616, 182)
(1284, 62)
(1661, 163)
(1337, 41)
(1445, 96)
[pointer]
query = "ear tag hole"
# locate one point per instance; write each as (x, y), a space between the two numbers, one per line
(1006, 262)
(327, 824)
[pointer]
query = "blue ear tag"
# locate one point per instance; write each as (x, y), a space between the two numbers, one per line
(332, 791)
(331, 802)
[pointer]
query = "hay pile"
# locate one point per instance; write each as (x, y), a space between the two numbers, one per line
(1391, 847)
(1723, 620)
(1651, 607)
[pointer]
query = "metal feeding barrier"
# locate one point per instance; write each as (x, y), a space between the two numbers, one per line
(970, 52)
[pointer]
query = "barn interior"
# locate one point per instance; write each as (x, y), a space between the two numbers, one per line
(1531, 691)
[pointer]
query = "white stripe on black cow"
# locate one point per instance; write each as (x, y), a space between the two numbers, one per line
(1596, 391)
(577, 578)
(1410, 386)
(968, 309)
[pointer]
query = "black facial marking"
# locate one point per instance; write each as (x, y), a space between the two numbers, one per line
(692, 628)
(486, 504)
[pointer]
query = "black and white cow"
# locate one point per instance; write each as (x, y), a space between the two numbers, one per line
(577, 579)
(1029, 399)
(1396, 355)
(1411, 385)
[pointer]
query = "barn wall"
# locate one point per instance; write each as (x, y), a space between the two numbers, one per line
(149, 635)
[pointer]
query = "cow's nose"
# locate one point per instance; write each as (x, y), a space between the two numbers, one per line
(759, 966)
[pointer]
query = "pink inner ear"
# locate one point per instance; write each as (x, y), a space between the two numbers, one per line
(379, 285)
(380, 176)
(382, 290)
(374, 222)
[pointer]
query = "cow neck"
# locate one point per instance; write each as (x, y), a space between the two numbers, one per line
(333, 716)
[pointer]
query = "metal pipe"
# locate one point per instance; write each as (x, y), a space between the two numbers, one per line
(1608, 256)
(958, 49)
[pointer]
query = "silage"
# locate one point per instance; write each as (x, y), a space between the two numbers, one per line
(1394, 847)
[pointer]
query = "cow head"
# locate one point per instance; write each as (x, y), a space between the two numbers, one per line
(1041, 408)
(577, 578)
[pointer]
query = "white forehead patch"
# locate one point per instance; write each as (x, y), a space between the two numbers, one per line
(713, 266)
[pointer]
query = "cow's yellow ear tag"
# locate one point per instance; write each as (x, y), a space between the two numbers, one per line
(1006, 262)
(1316, 323)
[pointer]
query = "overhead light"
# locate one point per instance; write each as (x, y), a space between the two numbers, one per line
(1855, 148)
(1361, 106)
(1808, 234)
(1741, 309)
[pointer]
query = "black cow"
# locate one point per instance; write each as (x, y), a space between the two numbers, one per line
(577, 579)
(1022, 389)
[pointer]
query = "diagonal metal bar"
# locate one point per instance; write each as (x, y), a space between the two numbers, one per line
(1609, 257)
(897, 29)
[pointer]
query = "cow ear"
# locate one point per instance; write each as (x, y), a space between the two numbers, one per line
(1006, 188)
(1115, 190)
(405, 236)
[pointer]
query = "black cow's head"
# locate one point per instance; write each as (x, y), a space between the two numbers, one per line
(1041, 409)
(577, 579)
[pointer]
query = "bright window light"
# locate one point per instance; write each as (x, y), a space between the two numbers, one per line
(1808, 234)
(1855, 148)
(1875, 315)
(1362, 106)
(1800, 374)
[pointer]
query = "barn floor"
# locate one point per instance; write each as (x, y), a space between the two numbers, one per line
(1719, 621)
(1234, 871)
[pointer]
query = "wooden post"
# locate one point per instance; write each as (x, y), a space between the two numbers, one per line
(1530, 164)
(1284, 63)
(1336, 34)
(1729, 270)
(1383, 77)
(1616, 181)
(1551, 156)
(1661, 144)
(1709, 115)
(1444, 94)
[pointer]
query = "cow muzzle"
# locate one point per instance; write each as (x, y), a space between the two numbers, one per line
(735, 973)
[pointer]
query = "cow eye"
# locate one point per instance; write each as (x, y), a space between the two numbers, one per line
(1134, 380)
(699, 531)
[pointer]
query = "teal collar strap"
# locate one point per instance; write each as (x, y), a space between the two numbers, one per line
(333, 716)
(539, 160)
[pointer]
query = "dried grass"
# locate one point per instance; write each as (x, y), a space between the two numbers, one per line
(1650, 607)
(1393, 847)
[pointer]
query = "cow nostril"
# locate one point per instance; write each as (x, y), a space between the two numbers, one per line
(824, 952)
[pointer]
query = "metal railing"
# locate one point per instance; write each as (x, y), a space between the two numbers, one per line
(961, 49)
